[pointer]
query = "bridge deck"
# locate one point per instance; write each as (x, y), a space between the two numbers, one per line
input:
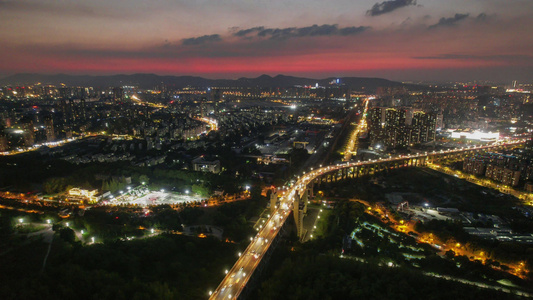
(239, 275)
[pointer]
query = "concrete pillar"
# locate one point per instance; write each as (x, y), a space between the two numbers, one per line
(273, 200)
(299, 214)
(305, 199)
(296, 212)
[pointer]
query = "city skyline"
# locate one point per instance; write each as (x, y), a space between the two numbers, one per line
(397, 39)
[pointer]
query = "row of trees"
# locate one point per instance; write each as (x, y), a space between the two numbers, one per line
(506, 252)
(163, 267)
(327, 277)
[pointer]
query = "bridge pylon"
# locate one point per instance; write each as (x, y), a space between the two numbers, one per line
(299, 211)
(273, 200)
(305, 200)
(296, 213)
(311, 189)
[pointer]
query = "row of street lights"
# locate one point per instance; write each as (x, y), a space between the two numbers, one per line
(67, 224)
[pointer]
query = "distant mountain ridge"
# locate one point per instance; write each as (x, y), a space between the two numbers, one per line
(147, 81)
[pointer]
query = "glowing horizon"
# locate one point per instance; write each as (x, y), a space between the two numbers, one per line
(399, 40)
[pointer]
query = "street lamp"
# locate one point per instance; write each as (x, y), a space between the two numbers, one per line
(21, 220)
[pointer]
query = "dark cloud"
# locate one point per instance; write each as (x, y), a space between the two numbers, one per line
(201, 40)
(481, 17)
(278, 33)
(352, 30)
(317, 30)
(449, 21)
(292, 32)
(262, 43)
(245, 32)
(388, 6)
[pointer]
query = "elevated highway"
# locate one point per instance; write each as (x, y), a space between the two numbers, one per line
(233, 285)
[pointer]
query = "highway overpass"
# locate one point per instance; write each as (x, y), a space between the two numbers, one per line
(233, 285)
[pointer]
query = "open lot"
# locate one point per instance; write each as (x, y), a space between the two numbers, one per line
(147, 198)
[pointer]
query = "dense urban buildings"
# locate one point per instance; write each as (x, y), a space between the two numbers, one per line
(197, 150)
(372, 149)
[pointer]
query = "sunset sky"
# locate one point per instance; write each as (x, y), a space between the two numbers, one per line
(399, 39)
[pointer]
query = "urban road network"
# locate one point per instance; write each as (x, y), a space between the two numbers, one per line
(239, 275)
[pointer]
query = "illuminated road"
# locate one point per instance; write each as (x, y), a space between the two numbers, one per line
(239, 275)
(137, 100)
(37, 146)
(211, 122)
(351, 148)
